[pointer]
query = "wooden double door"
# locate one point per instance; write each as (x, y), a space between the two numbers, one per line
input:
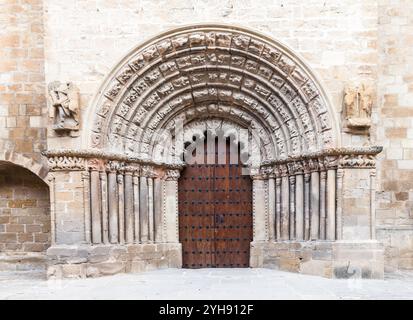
(215, 211)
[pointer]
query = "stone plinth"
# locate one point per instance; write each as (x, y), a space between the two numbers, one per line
(330, 259)
(81, 261)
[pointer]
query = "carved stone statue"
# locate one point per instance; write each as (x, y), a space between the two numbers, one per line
(358, 102)
(64, 106)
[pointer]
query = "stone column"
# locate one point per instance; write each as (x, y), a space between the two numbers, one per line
(113, 203)
(278, 207)
(105, 209)
(95, 199)
(285, 202)
(150, 210)
(158, 209)
(136, 200)
(129, 223)
(299, 203)
(315, 200)
(121, 212)
(292, 208)
(331, 205)
(260, 196)
(143, 209)
(271, 206)
(307, 178)
(170, 206)
(87, 209)
(323, 189)
(339, 209)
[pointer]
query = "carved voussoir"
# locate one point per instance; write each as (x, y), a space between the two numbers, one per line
(247, 69)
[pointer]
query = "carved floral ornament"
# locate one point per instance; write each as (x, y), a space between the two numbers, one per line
(217, 71)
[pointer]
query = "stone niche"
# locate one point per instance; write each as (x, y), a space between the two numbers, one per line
(114, 198)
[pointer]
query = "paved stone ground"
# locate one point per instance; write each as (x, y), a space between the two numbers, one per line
(205, 284)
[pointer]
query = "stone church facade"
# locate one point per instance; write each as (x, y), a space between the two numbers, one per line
(102, 101)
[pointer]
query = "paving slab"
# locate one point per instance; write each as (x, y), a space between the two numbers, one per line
(255, 284)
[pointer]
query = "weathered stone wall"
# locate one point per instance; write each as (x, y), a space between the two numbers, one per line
(24, 211)
(343, 41)
(84, 39)
(394, 120)
(22, 88)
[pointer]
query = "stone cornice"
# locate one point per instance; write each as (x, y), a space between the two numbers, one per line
(347, 152)
(77, 157)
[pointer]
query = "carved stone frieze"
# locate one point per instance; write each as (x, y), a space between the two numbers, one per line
(66, 163)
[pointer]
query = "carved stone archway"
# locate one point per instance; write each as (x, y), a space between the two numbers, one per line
(128, 174)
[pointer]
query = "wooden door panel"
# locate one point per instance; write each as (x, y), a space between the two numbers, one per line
(196, 217)
(215, 214)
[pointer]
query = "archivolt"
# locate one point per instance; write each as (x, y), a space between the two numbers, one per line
(212, 71)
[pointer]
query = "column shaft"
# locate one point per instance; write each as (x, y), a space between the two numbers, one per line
(96, 207)
(136, 213)
(158, 209)
(271, 208)
(150, 210)
(323, 189)
(104, 200)
(307, 206)
(331, 205)
(299, 207)
(315, 206)
(278, 208)
(113, 207)
(129, 223)
(285, 202)
(121, 216)
(292, 208)
(143, 209)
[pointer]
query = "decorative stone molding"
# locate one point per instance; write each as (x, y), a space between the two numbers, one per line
(351, 157)
(64, 107)
(72, 160)
(358, 161)
(66, 163)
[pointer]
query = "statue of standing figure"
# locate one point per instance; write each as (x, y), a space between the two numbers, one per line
(64, 101)
(358, 103)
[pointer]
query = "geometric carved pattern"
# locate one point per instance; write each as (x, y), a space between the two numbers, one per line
(212, 70)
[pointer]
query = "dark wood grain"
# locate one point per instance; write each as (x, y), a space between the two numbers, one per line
(215, 212)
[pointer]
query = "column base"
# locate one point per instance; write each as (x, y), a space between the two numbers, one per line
(82, 261)
(330, 259)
